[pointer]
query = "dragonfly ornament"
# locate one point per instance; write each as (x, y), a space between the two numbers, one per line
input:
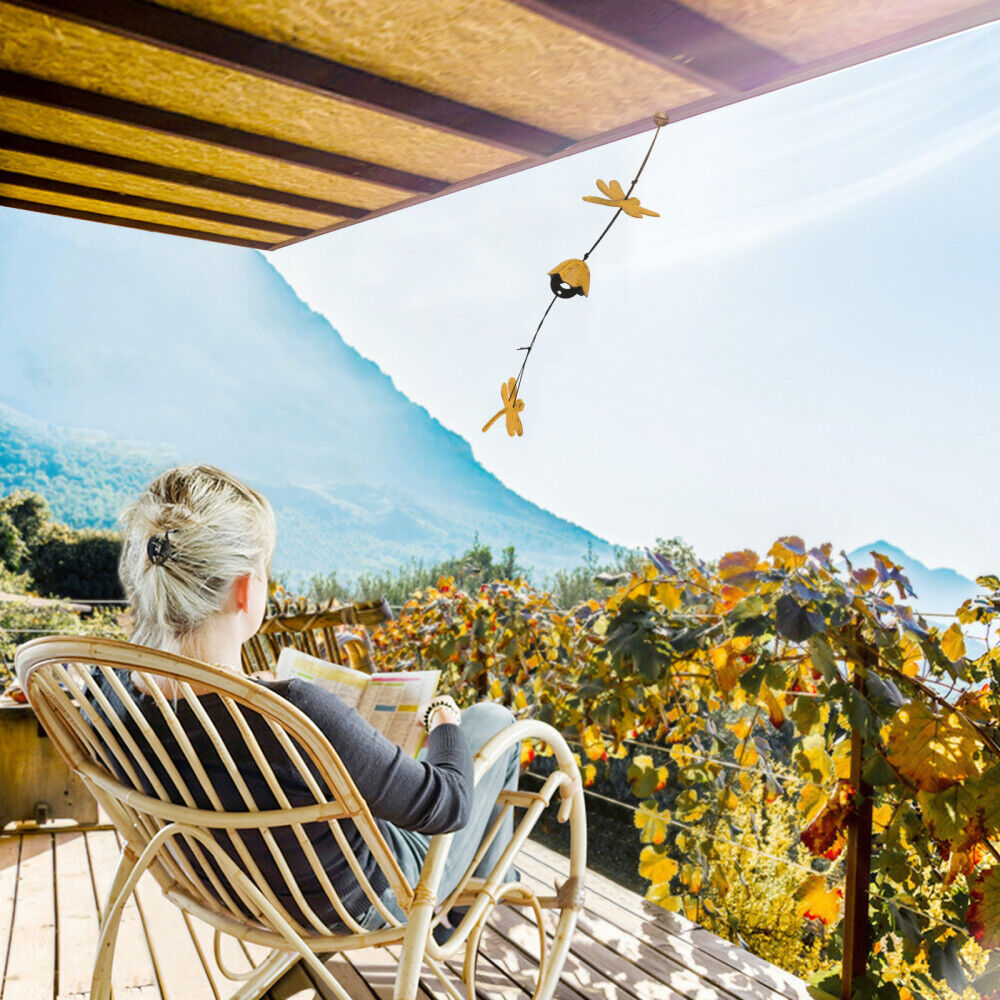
(511, 408)
(572, 277)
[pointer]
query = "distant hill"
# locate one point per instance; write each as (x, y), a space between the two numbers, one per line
(124, 352)
(938, 590)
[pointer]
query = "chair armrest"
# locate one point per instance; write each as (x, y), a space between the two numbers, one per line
(567, 779)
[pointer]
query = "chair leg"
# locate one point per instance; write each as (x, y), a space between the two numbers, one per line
(100, 985)
(411, 959)
(266, 975)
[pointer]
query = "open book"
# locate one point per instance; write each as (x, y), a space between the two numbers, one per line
(393, 703)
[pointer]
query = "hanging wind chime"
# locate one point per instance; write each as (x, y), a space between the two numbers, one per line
(572, 278)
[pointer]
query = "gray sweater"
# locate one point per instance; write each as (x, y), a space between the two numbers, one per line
(429, 796)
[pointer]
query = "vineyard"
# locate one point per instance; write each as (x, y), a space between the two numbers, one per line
(764, 708)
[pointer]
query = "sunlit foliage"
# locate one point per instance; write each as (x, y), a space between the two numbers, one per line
(710, 660)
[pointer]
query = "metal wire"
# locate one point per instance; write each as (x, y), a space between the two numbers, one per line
(690, 829)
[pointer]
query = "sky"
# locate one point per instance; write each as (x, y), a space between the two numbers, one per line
(806, 342)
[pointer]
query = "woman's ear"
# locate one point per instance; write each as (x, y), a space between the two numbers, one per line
(241, 592)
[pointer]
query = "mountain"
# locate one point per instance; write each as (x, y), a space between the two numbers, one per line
(124, 352)
(939, 591)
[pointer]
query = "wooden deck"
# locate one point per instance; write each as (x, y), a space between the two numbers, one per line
(53, 885)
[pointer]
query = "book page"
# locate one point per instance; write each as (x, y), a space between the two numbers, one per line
(393, 703)
(343, 681)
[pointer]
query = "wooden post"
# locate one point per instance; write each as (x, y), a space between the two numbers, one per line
(857, 931)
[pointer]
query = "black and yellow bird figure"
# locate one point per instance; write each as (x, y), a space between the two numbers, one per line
(511, 409)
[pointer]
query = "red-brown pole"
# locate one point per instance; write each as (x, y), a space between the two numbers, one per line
(857, 930)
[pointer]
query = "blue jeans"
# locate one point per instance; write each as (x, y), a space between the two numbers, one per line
(479, 724)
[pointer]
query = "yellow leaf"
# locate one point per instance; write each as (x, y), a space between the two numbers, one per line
(816, 902)
(811, 801)
(653, 824)
(784, 553)
(842, 760)
(774, 707)
(881, 816)
(496, 691)
(953, 643)
(741, 729)
(520, 701)
(668, 596)
(656, 867)
(737, 566)
(589, 773)
(661, 895)
(593, 744)
(912, 655)
(813, 760)
(728, 663)
(932, 751)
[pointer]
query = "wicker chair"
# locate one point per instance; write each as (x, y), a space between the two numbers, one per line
(163, 833)
(319, 632)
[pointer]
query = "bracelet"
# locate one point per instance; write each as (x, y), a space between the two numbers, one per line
(429, 710)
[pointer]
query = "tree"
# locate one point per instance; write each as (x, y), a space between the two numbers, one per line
(12, 547)
(29, 513)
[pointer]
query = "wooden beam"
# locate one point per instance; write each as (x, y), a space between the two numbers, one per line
(240, 50)
(88, 102)
(969, 18)
(114, 220)
(672, 36)
(154, 204)
(14, 142)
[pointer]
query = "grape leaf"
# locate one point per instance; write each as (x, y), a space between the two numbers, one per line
(796, 622)
(816, 902)
(953, 643)
(932, 751)
(656, 866)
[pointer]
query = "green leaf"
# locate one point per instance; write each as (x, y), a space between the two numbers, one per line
(805, 714)
(860, 713)
(906, 922)
(822, 659)
(796, 622)
(945, 964)
(752, 679)
(877, 772)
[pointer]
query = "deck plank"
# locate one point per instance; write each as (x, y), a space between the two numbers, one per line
(673, 960)
(10, 853)
(669, 930)
(182, 972)
(77, 914)
(603, 945)
(31, 961)
(52, 890)
(133, 975)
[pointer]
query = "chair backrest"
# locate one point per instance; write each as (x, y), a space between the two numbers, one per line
(153, 760)
(325, 632)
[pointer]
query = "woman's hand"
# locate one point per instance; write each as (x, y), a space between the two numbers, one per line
(443, 713)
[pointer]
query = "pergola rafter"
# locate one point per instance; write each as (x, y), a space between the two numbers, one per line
(264, 124)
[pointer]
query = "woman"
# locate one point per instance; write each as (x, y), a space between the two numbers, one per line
(195, 560)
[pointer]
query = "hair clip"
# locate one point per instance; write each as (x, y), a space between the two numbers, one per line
(158, 548)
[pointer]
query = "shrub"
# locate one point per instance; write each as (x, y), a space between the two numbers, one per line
(81, 564)
(20, 622)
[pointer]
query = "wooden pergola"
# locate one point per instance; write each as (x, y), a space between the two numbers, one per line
(264, 123)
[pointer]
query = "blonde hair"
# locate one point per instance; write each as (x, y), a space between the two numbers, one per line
(192, 532)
